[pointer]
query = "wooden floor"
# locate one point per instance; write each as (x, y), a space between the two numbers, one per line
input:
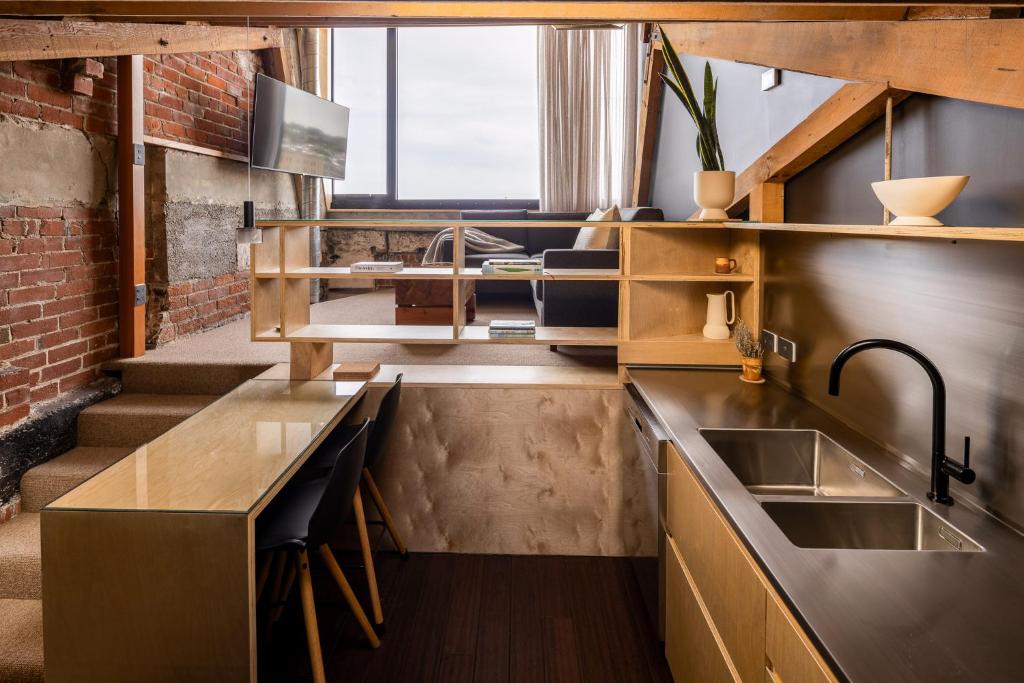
(455, 618)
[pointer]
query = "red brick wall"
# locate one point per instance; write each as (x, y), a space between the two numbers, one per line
(33, 90)
(200, 99)
(58, 270)
(201, 304)
(58, 302)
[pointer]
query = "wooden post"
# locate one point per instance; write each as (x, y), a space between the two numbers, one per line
(131, 215)
(647, 135)
(887, 173)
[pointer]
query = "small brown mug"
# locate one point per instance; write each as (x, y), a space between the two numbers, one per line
(724, 265)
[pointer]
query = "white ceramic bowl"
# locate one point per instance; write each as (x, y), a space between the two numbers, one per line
(916, 200)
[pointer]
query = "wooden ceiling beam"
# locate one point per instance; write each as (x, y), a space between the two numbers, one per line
(848, 111)
(529, 10)
(977, 59)
(27, 39)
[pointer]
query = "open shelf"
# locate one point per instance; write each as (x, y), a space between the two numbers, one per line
(711, 277)
(344, 272)
(585, 336)
(667, 268)
(397, 334)
(946, 232)
(551, 274)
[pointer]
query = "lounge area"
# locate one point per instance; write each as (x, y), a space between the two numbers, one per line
(511, 341)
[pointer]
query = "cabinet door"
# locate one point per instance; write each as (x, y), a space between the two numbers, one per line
(691, 647)
(723, 573)
(791, 656)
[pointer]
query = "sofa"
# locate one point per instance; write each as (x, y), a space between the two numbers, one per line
(562, 303)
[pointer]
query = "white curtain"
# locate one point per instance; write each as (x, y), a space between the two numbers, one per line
(588, 93)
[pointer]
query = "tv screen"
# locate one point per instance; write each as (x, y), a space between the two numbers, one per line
(297, 132)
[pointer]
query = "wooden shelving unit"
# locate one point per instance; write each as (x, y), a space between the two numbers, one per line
(665, 271)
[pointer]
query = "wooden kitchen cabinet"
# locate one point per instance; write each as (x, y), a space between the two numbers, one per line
(791, 658)
(692, 646)
(723, 573)
(711, 575)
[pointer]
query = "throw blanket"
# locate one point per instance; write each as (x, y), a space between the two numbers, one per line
(476, 241)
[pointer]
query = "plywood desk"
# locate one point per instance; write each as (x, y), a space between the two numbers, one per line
(148, 567)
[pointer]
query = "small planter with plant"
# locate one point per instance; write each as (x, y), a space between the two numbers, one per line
(714, 187)
(751, 353)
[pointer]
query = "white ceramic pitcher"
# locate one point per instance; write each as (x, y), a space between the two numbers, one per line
(718, 321)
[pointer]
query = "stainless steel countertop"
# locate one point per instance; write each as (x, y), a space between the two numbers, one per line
(876, 615)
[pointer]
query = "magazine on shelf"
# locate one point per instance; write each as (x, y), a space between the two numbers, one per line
(376, 267)
(510, 266)
(521, 325)
(512, 333)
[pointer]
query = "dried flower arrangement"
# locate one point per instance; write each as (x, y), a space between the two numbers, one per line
(748, 345)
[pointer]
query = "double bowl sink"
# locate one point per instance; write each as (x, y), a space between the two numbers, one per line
(822, 496)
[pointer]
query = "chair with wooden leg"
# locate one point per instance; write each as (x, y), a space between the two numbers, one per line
(380, 428)
(319, 465)
(304, 517)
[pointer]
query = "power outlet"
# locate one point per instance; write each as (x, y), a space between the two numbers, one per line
(769, 340)
(786, 348)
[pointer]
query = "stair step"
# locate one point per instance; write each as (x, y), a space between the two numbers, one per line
(52, 479)
(21, 641)
(130, 420)
(20, 565)
(151, 377)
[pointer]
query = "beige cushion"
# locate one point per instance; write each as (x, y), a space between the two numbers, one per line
(599, 238)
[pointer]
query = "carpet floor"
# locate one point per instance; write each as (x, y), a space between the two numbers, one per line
(231, 343)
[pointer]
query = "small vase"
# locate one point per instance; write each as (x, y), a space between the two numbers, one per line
(713, 191)
(752, 370)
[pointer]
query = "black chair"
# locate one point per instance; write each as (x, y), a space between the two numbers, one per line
(380, 428)
(305, 515)
(323, 459)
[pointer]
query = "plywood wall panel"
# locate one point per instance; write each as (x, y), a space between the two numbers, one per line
(545, 471)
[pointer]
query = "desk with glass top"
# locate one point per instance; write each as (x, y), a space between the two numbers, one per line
(148, 567)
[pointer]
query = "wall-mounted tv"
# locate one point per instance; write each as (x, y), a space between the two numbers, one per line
(297, 132)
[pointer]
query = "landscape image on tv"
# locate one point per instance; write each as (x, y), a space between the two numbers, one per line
(297, 132)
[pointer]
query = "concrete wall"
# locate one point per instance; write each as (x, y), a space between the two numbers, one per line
(198, 278)
(749, 122)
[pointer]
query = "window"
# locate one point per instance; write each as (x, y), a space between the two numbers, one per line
(441, 117)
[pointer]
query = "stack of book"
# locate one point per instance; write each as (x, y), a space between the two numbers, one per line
(376, 267)
(513, 328)
(496, 266)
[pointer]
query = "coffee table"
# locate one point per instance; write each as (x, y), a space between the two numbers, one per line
(429, 302)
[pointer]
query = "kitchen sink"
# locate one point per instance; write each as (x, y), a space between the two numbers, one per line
(874, 525)
(795, 462)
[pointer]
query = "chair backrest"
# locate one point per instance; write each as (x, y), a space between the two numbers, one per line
(382, 423)
(341, 487)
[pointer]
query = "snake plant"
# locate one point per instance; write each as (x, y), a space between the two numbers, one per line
(708, 148)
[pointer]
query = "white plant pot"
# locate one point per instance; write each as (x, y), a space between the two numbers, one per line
(713, 191)
(916, 200)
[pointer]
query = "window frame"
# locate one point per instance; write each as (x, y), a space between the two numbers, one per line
(389, 200)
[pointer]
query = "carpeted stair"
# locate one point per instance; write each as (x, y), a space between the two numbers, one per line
(130, 420)
(45, 483)
(155, 397)
(21, 641)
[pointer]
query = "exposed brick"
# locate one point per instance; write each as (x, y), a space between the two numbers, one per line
(16, 314)
(46, 95)
(27, 294)
(39, 212)
(63, 369)
(44, 392)
(13, 415)
(67, 351)
(12, 377)
(79, 379)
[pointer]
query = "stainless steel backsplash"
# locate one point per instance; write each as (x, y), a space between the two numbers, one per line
(960, 303)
